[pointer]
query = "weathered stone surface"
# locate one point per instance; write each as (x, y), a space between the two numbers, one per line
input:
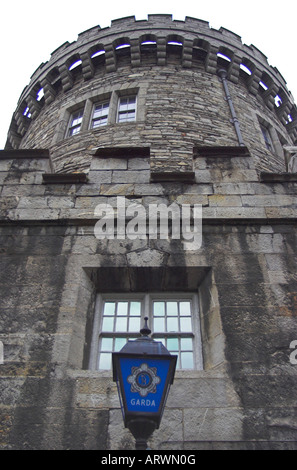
(52, 266)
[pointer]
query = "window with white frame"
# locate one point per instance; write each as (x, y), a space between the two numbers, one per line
(75, 122)
(173, 320)
(126, 109)
(100, 114)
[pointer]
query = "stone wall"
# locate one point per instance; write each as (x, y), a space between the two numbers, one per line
(183, 148)
(52, 266)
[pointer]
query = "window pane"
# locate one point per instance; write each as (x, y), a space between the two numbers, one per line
(161, 340)
(187, 361)
(172, 324)
(135, 308)
(123, 103)
(172, 308)
(159, 324)
(185, 308)
(109, 308)
(74, 131)
(100, 111)
(119, 343)
(107, 324)
(100, 122)
(127, 116)
(186, 324)
(159, 309)
(105, 361)
(97, 113)
(172, 344)
(122, 308)
(121, 324)
(134, 324)
(186, 344)
(76, 120)
(106, 344)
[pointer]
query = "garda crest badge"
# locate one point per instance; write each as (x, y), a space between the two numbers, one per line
(143, 379)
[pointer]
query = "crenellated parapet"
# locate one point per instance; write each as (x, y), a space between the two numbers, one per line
(194, 43)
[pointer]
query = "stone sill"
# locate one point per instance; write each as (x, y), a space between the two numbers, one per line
(24, 153)
(179, 374)
(64, 178)
(266, 177)
(121, 152)
(165, 176)
(221, 151)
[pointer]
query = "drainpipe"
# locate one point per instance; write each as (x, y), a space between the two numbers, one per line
(222, 73)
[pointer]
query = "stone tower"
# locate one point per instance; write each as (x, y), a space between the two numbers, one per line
(143, 114)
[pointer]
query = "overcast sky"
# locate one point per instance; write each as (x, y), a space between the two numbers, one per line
(30, 30)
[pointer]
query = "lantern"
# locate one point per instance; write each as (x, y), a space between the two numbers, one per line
(143, 370)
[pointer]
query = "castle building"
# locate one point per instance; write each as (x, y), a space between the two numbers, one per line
(139, 117)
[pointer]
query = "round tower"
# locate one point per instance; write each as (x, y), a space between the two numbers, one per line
(167, 85)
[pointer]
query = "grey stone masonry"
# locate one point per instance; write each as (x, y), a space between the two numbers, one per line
(146, 121)
(180, 97)
(224, 181)
(52, 265)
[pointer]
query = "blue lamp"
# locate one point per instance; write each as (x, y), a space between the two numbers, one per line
(143, 370)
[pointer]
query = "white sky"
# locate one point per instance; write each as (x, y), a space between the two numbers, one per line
(30, 30)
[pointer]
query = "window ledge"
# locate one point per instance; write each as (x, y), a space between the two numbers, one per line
(221, 151)
(266, 177)
(24, 153)
(121, 152)
(179, 374)
(64, 178)
(164, 176)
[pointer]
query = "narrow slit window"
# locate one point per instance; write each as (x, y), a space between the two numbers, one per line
(267, 138)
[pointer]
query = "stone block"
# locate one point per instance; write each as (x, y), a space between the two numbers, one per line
(202, 392)
(145, 258)
(131, 176)
(120, 189)
(208, 424)
(108, 164)
(98, 177)
(138, 164)
(222, 200)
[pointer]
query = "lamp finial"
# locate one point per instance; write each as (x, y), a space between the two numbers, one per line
(145, 331)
